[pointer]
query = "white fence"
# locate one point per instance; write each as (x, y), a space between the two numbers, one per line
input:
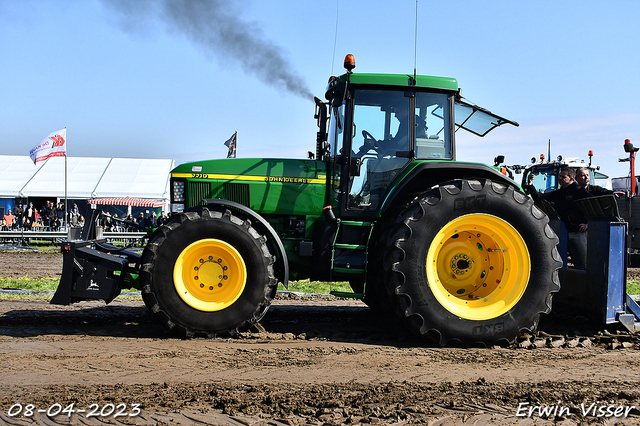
(17, 236)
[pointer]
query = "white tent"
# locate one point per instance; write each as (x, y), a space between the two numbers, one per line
(141, 178)
(48, 181)
(87, 177)
(15, 172)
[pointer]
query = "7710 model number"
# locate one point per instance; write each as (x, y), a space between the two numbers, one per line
(95, 410)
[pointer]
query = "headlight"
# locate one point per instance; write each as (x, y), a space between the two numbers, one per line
(177, 193)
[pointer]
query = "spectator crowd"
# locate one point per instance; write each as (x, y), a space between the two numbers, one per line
(142, 221)
(51, 217)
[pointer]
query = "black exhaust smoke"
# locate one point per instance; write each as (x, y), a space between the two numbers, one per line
(215, 26)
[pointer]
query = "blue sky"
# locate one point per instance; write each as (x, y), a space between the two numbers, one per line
(136, 85)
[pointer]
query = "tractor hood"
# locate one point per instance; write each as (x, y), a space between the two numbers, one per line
(265, 185)
(281, 170)
(476, 119)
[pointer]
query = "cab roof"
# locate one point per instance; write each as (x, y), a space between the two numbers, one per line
(469, 116)
(403, 80)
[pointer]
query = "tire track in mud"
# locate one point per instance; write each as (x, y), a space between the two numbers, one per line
(478, 402)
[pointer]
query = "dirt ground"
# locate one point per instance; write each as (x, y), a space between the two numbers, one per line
(312, 361)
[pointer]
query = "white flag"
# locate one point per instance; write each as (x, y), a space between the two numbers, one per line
(54, 145)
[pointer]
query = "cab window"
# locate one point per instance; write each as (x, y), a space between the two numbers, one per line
(433, 138)
(380, 141)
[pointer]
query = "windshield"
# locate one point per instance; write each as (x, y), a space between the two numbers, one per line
(545, 177)
(381, 131)
(388, 129)
(382, 122)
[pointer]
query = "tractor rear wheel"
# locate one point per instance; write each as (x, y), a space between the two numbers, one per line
(473, 261)
(207, 273)
(377, 295)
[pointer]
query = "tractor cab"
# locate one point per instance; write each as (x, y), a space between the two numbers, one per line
(543, 176)
(381, 124)
(388, 130)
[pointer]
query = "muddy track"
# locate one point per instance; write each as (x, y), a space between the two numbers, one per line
(310, 361)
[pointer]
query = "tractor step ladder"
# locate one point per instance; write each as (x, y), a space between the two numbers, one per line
(346, 295)
(349, 254)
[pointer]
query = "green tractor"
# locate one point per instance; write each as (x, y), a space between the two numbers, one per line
(454, 249)
(543, 175)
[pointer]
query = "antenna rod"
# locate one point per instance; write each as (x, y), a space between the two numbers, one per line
(415, 46)
(335, 40)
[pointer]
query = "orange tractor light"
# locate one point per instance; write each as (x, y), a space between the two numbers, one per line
(349, 62)
(332, 79)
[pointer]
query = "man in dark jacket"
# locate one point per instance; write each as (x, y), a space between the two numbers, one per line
(60, 212)
(583, 178)
(141, 220)
(18, 212)
(47, 214)
(563, 203)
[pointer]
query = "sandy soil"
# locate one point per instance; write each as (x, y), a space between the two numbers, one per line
(311, 361)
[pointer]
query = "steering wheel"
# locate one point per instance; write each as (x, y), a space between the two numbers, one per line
(369, 143)
(372, 143)
(368, 138)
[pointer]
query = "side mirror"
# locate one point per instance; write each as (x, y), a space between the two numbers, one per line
(498, 160)
(320, 115)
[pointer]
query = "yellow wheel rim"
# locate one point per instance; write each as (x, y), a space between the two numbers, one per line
(209, 275)
(478, 266)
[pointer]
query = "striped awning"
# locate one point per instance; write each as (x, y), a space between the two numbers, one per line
(127, 201)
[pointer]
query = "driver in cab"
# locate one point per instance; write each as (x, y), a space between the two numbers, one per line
(399, 142)
(380, 169)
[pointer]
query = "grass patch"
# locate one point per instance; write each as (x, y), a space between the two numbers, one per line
(38, 284)
(41, 245)
(34, 284)
(318, 287)
(47, 284)
(302, 286)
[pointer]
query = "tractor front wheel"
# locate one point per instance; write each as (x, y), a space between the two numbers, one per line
(207, 273)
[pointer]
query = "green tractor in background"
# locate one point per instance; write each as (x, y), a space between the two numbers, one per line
(454, 249)
(543, 175)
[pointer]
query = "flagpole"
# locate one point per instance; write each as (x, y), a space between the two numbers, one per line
(66, 201)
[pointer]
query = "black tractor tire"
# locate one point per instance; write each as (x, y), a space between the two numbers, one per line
(377, 295)
(207, 273)
(473, 262)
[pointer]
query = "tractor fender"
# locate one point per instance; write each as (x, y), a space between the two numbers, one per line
(428, 174)
(282, 262)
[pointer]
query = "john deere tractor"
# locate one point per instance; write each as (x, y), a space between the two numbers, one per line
(454, 249)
